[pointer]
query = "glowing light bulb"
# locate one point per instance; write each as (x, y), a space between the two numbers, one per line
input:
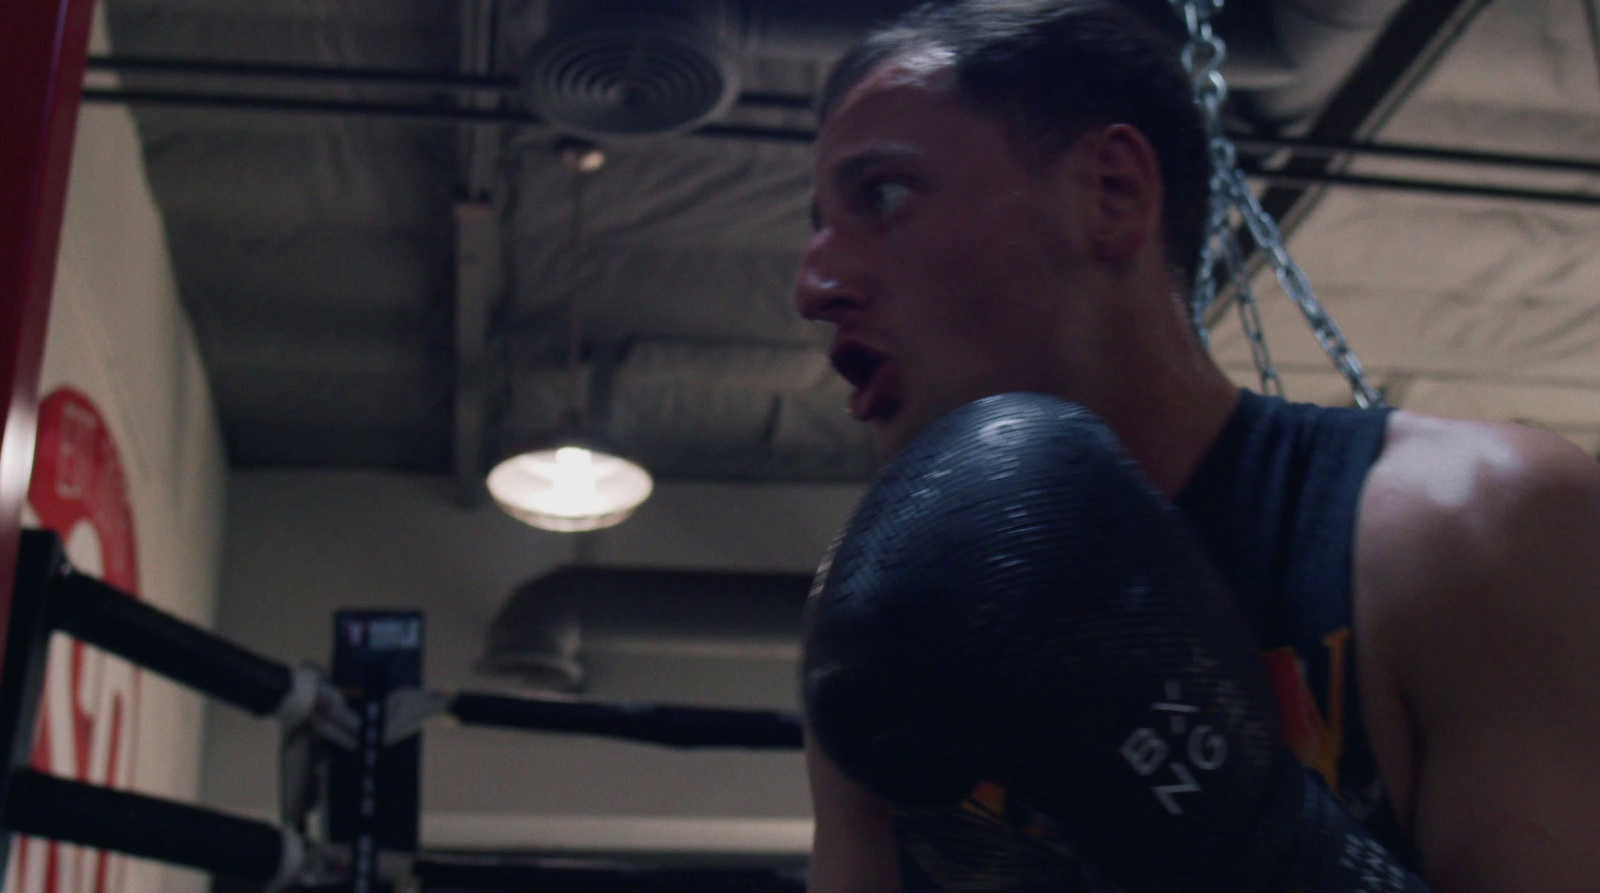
(570, 488)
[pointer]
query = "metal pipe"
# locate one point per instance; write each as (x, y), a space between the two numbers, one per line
(759, 134)
(367, 77)
(447, 115)
(438, 114)
(410, 111)
(1438, 154)
(1438, 187)
(778, 101)
(389, 79)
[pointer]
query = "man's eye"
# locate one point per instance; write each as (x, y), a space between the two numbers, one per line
(885, 197)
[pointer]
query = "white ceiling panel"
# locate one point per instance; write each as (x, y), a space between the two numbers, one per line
(1484, 308)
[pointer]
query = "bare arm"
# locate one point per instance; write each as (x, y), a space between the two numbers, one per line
(853, 847)
(1495, 585)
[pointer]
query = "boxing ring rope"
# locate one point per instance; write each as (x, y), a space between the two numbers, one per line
(595, 876)
(51, 596)
(682, 727)
(100, 615)
(42, 805)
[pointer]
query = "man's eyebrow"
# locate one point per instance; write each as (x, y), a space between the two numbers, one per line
(845, 173)
(853, 167)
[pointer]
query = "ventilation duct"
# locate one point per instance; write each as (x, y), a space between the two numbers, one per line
(610, 68)
(550, 624)
(607, 69)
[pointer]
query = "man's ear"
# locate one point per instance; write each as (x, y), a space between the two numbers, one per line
(1126, 189)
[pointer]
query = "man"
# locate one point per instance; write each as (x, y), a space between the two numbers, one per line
(1010, 197)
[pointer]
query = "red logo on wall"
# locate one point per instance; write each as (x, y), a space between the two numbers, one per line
(87, 717)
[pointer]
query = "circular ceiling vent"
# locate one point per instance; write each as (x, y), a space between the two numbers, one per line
(629, 76)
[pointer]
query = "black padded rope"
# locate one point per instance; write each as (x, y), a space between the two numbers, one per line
(672, 726)
(569, 876)
(43, 805)
(102, 615)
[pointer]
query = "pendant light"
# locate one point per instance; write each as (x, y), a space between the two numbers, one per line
(572, 482)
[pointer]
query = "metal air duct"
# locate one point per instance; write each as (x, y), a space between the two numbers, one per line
(548, 625)
(609, 68)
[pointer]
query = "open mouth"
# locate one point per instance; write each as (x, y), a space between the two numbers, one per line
(855, 363)
(873, 395)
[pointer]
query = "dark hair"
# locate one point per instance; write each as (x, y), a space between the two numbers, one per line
(1053, 69)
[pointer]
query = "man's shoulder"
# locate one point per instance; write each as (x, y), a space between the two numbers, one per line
(1445, 485)
(1477, 554)
(1478, 523)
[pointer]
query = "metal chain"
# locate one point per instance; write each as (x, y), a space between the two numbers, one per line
(1250, 314)
(1203, 56)
(1230, 193)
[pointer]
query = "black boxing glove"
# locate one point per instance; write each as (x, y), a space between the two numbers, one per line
(1014, 609)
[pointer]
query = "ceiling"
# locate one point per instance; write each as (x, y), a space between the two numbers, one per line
(379, 279)
(1462, 306)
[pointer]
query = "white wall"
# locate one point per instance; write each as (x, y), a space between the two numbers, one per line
(118, 334)
(303, 543)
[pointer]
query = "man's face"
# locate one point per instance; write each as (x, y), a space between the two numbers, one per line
(945, 263)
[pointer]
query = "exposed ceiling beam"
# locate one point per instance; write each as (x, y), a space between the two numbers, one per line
(479, 145)
(480, 274)
(1310, 180)
(478, 284)
(1415, 39)
(1418, 36)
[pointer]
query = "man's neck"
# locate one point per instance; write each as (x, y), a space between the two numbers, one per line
(1169, 406)
(1168, 433)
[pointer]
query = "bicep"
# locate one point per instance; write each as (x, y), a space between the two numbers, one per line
(1504, 691)
(853, 847)
(1509, 812)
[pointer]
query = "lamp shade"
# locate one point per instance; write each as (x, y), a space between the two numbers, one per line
(569, 488)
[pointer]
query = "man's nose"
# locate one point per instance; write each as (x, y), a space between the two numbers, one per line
(826, 286)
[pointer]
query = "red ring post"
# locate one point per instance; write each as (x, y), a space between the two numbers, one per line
(42, 51)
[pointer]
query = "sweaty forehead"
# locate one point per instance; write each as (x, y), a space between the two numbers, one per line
(909, 96)
(930, 65)
(928, 72)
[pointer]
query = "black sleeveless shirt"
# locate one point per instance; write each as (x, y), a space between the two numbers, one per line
(1274, 502)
